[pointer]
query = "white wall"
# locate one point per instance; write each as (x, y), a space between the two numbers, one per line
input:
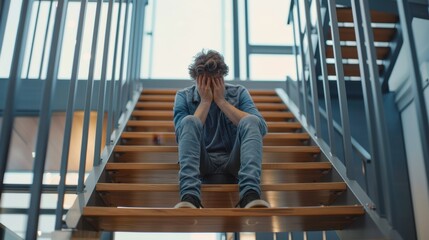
(399, 80)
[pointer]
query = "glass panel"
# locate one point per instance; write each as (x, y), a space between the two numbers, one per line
(269, 29)
(183, 28)
(272, 67)
(6, 51)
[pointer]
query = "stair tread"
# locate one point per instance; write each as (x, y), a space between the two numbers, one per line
(350, 52)
(173, 92)
(288, 135)
(175, 166)
(346, 15)
(169, 106)
(279, 149)
(222, 219)
(169, 123)
(332, 186)
(166, 113)
(380, 34)
(349, 69)
(170, 98)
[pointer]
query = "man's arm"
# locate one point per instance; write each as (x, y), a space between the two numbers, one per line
(231, 112)
(206, 95)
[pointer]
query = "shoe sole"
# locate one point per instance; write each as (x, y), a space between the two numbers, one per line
(257, 204)
(184, 205)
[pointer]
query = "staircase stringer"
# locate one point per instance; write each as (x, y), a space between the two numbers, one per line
(371, 224)
(74, 214)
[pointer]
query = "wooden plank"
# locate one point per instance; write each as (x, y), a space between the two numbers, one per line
(222, 219)
(170, 98)
(349, 69)
(380, 34)
(169, 106)
(350, 52)
(152, 125)
(163, 114)
(219, 195)
(274, 149)
(169, 138)
(173, 92)
(175, 166)
(346, 15)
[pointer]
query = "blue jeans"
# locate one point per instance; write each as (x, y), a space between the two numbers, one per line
(244, 161)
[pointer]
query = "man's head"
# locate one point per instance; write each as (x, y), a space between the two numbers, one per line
(208, 62)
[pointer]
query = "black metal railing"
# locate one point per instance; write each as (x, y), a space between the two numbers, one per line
(377, 193)
(115, 100)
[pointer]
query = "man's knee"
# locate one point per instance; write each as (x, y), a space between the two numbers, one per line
(249, 121)
(190, 122)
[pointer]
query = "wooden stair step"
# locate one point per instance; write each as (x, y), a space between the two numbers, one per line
(169, 138)
(275, 149)
(222, 219)
(170, 98)
(173, 92)
(219, 195)
(350, 52)
(380, 34)
(349, 69)
(169, 106)
(169, 125)
(175, 166)
(168, 115)
(346, 15)
(168, 172)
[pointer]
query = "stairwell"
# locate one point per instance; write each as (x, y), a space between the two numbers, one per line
(141, 184)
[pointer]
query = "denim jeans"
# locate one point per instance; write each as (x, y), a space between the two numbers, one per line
(243, 162)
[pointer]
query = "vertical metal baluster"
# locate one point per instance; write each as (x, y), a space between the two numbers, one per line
(369, 104)
(417, 86)
(131, 53)
(69, 115)
(304, 82)
(102, 89)
(88, 99)
(119, 107)
(13, 87)
(4, 13)
(45, 121)
(142, 13)
(110, 99)
(383, 147)
(312, 69)
(341, 87)
(45, 39)
(295, 49)
(34, 38)
(324, 70)
(246, 36)
(236, 39)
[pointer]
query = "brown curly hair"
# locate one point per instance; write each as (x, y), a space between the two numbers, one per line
(210, 62)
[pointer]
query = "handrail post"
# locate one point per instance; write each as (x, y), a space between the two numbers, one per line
(45, 121)
(382, 150)
(373, 190)
(324, 71)
(304, 82)
(48, 22)
(416, 78)
(341, 88)
(88, 99)
(119, 108)
(4, 13)
(312, 72)
(13, 87)
(69, 116)
(111, 98)
(33, 39)
(295, 51)
(102, 89)
(236, 39)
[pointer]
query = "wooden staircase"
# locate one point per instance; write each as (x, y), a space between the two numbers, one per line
(141, 180)
(384, 30)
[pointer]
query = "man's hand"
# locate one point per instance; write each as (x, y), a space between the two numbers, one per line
(204, 88)
(218, 90)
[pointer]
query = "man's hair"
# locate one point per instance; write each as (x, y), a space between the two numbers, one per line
(210, 62)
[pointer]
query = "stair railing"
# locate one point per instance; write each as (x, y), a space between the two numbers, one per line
(378, 197)
(116, 104)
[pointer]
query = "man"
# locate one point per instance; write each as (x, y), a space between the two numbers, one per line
(219, 132)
